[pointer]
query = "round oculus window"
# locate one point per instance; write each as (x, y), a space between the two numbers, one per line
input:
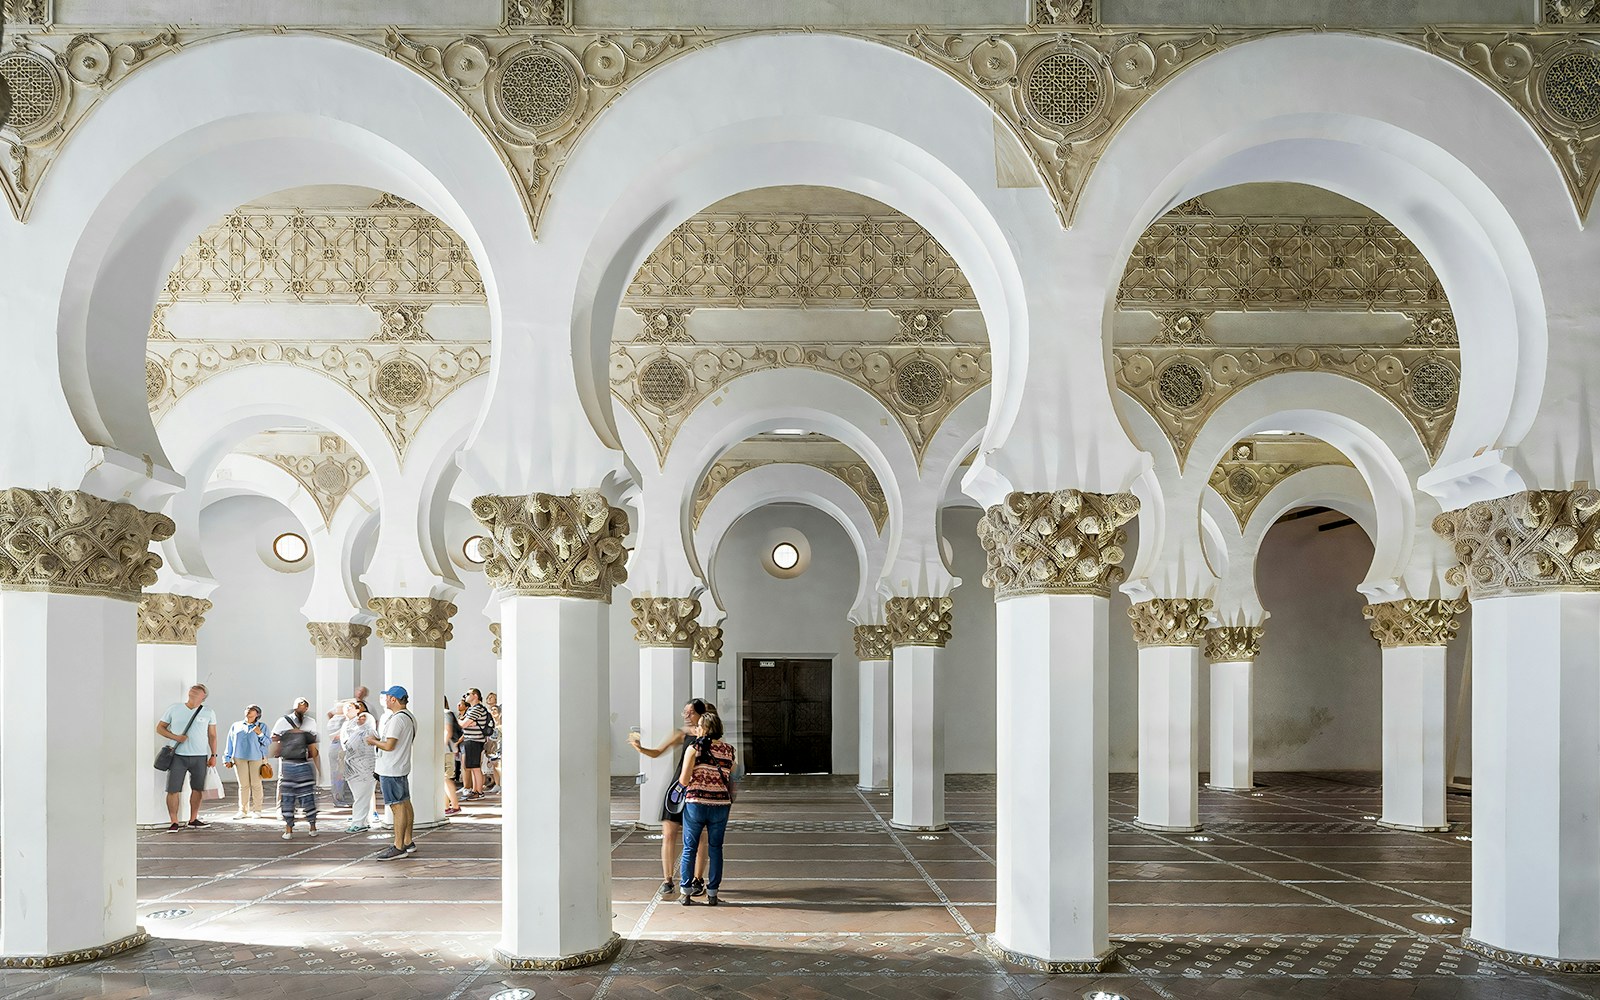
(290, 547)
(785, 555)
(476, 549)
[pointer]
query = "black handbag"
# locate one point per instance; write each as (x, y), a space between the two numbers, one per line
(673, 805)
(165, 755)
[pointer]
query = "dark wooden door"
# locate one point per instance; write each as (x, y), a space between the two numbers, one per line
(790, 707)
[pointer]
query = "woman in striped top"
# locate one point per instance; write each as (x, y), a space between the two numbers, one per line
(707, 778)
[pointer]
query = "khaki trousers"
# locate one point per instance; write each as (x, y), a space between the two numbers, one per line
(250, 785)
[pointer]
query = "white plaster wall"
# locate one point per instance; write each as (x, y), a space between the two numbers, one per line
(970, 710)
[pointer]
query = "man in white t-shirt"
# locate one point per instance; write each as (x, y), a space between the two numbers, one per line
(191, 728)
(394, 739)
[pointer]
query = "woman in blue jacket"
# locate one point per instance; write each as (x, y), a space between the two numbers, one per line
(247, 744)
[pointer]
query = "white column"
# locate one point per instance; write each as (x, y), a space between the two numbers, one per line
(1169, 738)
(1051, 901)
(874, 707)
(164, 673)
(703, 681)
(335, 681)
(703, 666)
(918, 739)
(420, 670)
(1414, 699)
(1232, 706)
(68, 790)
(663, 688)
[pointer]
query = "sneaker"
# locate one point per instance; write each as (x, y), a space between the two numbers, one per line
(697, 887)
(668, 887)
(452, 810)
(287, 835)
(195, 824)
(313, 831)
(467, 795)
(239, 815)
(174, 828)
(411, 848)
(686, 899)
(711, 899)
(353, 828)
(390, 853)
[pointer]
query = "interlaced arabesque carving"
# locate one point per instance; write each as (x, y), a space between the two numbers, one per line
(1063, 542)
(401, 321)
(664, 325)
(338, 640)
(1409, 622)
(171, 619)
(328, 476)
(1170, 621)
(919, 621)
(494, 630)
(708, 644)
(70, 542)
(416, 622)
(1571, 12)
(874, 642)
(920, 326)
(537, 13)
(1234, 643)
(554, 546)
(19, 12)
(1244, 480)
(919, 383)
(665, 621)
(857, 475)
(800, 261)
(1064, 12)
(538, 90)
(1526, 543)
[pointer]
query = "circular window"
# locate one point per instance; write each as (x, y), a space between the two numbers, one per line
(476, 549)
(785, 555)
(290, 547)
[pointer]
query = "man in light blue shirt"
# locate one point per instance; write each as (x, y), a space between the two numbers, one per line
(191, 728)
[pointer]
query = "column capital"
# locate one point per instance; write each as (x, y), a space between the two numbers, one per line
(665, 621)
(919, 621)
(341, 640)
(708, 644)
(494, 630)
(1409, 622)
(1170, 621)
(873, 642)
(171, 619)
(1064, 542)
(70, 542)
(1234, 643)
(1529, 542)
(420, 622)
(554, 546)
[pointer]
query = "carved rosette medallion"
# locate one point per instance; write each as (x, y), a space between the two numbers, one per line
(418, 622)
(1170, 621)
(338, 640)
(69, 542)
(1526, 543)
(708, 644)
(494, 630)
(1065, 542)
(919, 621)
(665, 621)
(554, 546)
(1414, 623)
(873, 642)
(1234, 643)
(171, 619)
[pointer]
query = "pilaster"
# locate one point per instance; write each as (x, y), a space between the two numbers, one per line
(1170, 632)
(875, 707)
(918, 627)
(415, 631)
(703, 663)
(166, 665)
(338, 646)
(665, 629)
(1232, 651)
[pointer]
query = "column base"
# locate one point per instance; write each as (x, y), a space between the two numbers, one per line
(604, 953)
(1229, 788)
(1158, 828)
(1386, 824)
(909, 828)
(1099, 963)
(117, 947)
(1541, 962)
(436, 824)
(874, 788)
(640, 824)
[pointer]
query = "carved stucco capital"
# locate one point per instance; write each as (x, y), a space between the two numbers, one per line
(1170, 621)
(665, 621)
(919, 621)
(70, 542)
(338, 640)
(1234, 643)
(1065, 542)
(554, 546)
(171, 619)
(708, 644)
(1538, 540)
(494, 630)
(873, 642)
(1414, 623)
(413, 621)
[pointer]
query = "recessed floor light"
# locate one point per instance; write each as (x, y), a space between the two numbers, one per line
(1433, 918)
(1370, 819)
(1257, 795)
(1103, 995)
(883, 795)
(515, 993)
(1199, 839)
(926, 836)
(171, 914)
(652, 836)
(1465, 838)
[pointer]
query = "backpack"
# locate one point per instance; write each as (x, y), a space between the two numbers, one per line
(488, 723)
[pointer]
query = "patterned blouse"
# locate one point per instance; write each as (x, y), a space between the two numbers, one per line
(708, 785)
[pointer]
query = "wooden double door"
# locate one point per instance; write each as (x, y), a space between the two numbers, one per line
(789, 705)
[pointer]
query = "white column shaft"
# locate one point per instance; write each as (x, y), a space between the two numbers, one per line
(1169, 737)
(1535, 785)
(163, 675)
(555, 842)
(1413, 737)
(703, 681)
(1050, 850)
(875, 710)
(918, 738)
(1232, 706)
(663, 688)
(68, 761)
(336, 680)
(420, 670)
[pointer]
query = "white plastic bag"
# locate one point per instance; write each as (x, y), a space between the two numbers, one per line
(213, 789)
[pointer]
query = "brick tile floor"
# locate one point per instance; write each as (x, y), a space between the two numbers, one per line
(1290, 891)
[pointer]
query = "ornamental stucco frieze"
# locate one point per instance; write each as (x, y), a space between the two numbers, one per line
(919, 621)
(1234, 643)
(874, 642)
(554, 546)
(1062, 542)
(1247, 475)
(665, 621)
(1170, 621)
(416, 622)
(327, 476)
(1409, 622)
(1526, 543)
(70, 542)
(171, 619)
(708, 644)
(856, 475)
(338, 640)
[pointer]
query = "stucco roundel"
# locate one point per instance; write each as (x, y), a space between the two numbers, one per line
(1064, 89)
(401, 381)
(1181, 384)
(38, 94)
(1434, 384)
(537, 90)
(1570, 88)
(921, 383)
(155, 379)
(664, 383)
(330, 477)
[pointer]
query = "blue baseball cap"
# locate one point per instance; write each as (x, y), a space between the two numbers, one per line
(397, 692)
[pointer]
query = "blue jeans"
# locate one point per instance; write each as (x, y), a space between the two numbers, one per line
(714, 821)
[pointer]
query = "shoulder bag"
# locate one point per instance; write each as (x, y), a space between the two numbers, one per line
(165, 754)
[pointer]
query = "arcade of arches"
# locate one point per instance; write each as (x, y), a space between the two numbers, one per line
(1123, 471)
